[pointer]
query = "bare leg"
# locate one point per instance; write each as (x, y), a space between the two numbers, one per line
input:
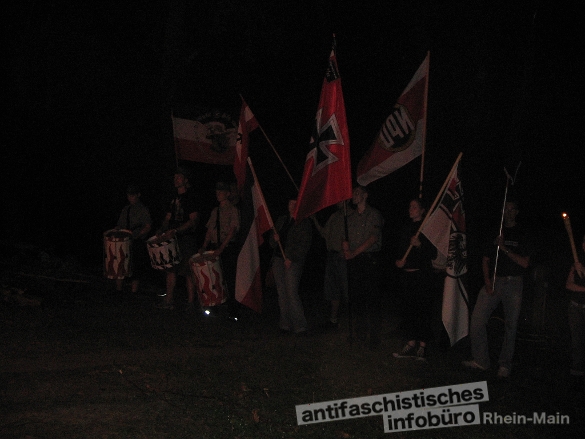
(135, 285)
(190, 288)
(171, 282)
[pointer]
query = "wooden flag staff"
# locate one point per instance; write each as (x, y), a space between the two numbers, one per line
(439, 195)
(270, 223)
(275, 152)
(567, 222)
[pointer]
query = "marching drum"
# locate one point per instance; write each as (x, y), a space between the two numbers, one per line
(211, 287)
(163, 252)
(117, 254)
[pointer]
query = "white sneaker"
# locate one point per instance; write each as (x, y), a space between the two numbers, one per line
(503, 372)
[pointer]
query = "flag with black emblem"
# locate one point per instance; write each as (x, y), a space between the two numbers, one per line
(402, 136)
(327, 173)
(445, 228)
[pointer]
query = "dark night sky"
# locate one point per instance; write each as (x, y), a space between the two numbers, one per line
(91, 88)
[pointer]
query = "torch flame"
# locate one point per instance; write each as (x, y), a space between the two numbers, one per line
(565, 215)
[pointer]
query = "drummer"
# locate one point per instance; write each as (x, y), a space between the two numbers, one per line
(135, 217)
(222, 227)
(180, 222)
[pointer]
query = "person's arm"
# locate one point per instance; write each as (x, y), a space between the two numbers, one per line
(571, 285)
(191, 223)
(164, 225)
(523, 261)
(144, 231)
(318, 226)
(225, 242)
(489, 287)
(362, 248)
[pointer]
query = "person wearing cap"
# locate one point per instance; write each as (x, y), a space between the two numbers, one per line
(222, 227)
(180, 222)
(135, 217)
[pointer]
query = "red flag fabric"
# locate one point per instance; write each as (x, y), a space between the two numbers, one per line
(248, 123)
(327, 173)
(208, 141)
(445, 228)
(248, 275)
(401, 138)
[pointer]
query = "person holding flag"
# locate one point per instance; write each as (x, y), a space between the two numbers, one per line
(416, 276)
(504, 285)
(361, 251)
(291, 241)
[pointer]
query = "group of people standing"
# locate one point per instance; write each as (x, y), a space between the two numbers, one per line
(353, 268)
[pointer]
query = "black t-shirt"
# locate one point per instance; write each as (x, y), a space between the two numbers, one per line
(181, 208)
(419, 257)
(515, 239)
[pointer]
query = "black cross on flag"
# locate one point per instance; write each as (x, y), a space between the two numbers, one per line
(325, 135)
(327, 174)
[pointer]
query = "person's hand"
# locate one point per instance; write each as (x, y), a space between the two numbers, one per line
(400, 263)
(287, 263)
(276, 237)
(414, 241)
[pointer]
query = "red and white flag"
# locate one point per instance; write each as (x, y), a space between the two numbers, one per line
(327, 173)
(210, 140)
(445, 228)
(248, 123)
(402, 136)
(248, 276)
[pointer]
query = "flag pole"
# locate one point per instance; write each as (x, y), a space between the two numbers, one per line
(270, 223)
(439, 195)
(275, 152)
(424, 136)
(508, 178)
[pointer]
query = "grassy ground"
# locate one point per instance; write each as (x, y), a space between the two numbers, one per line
(90, 363)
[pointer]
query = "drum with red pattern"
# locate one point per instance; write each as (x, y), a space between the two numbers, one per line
(208, 275)
(117, 254)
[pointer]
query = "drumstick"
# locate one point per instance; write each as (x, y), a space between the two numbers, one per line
(567, 222)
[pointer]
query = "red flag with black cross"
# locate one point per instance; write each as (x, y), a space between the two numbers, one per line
(327, 174)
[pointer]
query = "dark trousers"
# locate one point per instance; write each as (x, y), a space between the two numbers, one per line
(417, 288)
(364, 295)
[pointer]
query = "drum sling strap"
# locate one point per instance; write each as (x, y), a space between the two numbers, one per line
(128, 217)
